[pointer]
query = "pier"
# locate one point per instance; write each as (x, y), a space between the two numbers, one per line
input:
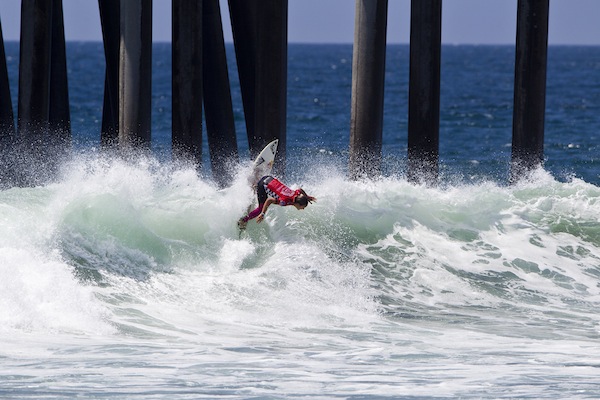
(200, 81)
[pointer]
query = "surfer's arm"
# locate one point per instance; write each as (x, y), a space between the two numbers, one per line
(261, 216)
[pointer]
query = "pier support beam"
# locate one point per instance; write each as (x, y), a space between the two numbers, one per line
(187, 80)
(44, 126)
(34, 70)
(218, 107)
(59, 113)
(7, 118)
(368, 78)
(424, 90)
(271, 79)
(530, 87)
(135, 74)
(111, 27)
(260, 36)
(243, 14)
(7, 123)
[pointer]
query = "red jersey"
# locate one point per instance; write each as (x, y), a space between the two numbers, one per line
(283, 194)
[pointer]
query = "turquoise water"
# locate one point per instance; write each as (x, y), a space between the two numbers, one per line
(128, 279)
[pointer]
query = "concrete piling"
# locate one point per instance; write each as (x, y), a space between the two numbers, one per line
(218, 107)
(530, 87)
(34, 70)
(187, 80)
(59, 112)
(44, 130)
(368, 79)
(260, 37)
(135, 74)
(243, 15)
(111, 27)
(7, 118)
(271, 78)
(424, 90)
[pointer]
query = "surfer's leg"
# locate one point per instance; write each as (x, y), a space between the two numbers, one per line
(242, 222)
(261, 194)
(254, 213)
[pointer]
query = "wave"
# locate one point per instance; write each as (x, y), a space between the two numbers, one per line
(144, 248)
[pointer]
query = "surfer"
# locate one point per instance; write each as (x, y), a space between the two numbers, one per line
(270, 190)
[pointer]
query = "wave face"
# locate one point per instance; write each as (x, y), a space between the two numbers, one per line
(127, 279)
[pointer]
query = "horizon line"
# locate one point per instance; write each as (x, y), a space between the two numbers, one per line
(343, 43)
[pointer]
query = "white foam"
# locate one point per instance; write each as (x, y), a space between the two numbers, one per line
(433, 242)
(40, 294)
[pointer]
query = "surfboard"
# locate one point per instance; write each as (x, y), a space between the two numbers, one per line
(263, 164)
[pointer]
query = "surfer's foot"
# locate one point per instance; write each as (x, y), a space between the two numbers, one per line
(242, 224)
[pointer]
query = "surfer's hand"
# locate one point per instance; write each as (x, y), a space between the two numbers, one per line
(260, 217)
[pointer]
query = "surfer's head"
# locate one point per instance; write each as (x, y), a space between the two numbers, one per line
(301, 201)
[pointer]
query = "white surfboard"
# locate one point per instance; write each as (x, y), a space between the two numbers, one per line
(263, 164)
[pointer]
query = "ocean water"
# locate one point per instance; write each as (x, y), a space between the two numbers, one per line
(127, 279)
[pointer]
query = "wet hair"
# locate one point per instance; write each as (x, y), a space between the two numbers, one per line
(302, 200)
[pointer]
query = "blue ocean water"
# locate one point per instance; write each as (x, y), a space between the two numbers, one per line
(127, 279)
(476, 105)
